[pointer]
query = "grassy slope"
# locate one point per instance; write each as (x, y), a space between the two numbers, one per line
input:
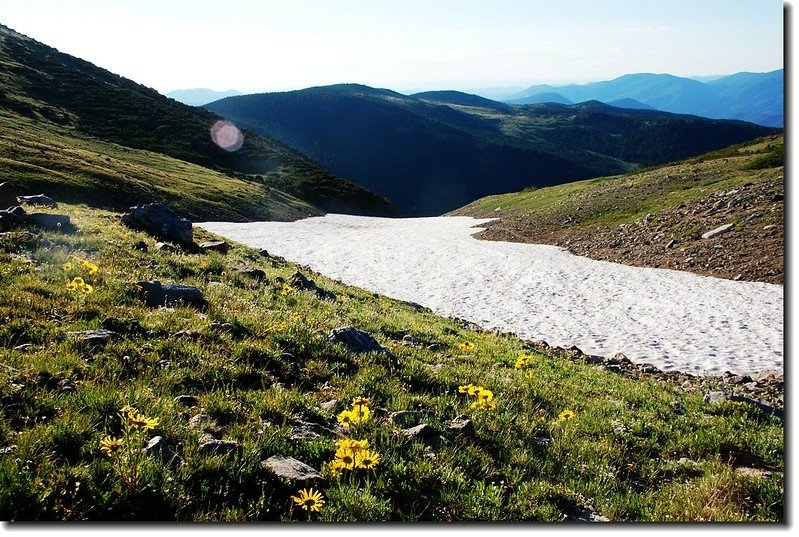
(621, 453)
(615, 200)
(65, 94)
(37, 158)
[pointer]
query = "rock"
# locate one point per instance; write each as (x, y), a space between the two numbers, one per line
(53, 222)
(154, 294)
(218, 447)
(715, 397)
(425, 434)
(157, 446)
(123, 326)
(290, 468)
(141, 246)
(160, 221)
(38, 200)
(461, 426)
(7, 199)
(165, 247)
(201, 421)
(755, 473)
(187, 400)
(718, 231)
(410, 340)
(254, 273)
(587, 514)
(95, 337)
(215, 246)
(301, 283)
(12, 217)
(66, 386)
(329, 405)
(263, 253)
(405, 418)
(355, 340)
(234, 330)
(303, 430)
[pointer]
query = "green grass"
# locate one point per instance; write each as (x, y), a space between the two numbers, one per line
(620, 199)
(620, 454)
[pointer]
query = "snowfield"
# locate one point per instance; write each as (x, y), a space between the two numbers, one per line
(673, 320)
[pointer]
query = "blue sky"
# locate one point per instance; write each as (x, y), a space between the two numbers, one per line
(271, 45)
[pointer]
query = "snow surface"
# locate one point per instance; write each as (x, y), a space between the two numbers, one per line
(671, 319)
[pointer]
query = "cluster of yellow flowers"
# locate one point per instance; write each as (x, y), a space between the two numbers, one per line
(523, 361)
(286, 289)
(466, 346)
(484, 397)
(309, 499)
(132, 419)
(78, 285)
(359, 413)
(352, 454)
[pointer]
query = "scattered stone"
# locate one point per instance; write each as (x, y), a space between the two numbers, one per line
(8, 449)
(218, 447)
(234, 330)
(23, 347)
(123, 326)
(410, 340)
(461, 426)
(12, 217)
(254, 273)
(201, 421)
(587, 514)
(715, 397)
(165, 247)
(301, 283)
(755, 473)
(52, 222)
(329, 405)
(38, 200)
(263, 253)
(425, 434)
(154, 294)
(355, 340)
(187, 400)
(215, 246)
(95, 337)
(141, 246)
(160, 221)
(718, 231)
(303, 430)
(7, 199)
(157, 446)
(434, 347)
(405, 418)
(290, 468)
(66, 386)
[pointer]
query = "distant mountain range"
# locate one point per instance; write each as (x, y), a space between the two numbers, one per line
(431, 152)
(200, 96)
(755, 97)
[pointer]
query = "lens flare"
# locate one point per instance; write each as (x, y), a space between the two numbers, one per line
(226, 135)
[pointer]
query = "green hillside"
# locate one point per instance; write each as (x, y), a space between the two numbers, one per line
(71, 97)
(433, 152)
(656, 217)
(221, 390)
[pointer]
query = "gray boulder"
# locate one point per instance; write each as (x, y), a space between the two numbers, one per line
(95, 337)
(301, 283)
(154, 294)
(160, 221)
(290, 468)
(39, 200)
(54, 222)
(355, 340)
(215, 246)
(218, 447)
(12, 217)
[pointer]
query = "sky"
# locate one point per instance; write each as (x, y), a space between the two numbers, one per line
(408, 45)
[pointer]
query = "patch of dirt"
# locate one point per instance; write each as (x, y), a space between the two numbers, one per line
(753, 250)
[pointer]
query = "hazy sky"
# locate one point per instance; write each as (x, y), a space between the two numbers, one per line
(273, 45)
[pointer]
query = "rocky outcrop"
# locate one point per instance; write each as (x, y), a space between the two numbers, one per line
(159, 221)
(155, 294)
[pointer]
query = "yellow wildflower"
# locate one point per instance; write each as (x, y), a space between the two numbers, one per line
(484, 405)
(336, 467)
(110, 445)
(466, 346)
(465, 388)
(474, 390)
(566, 415)
(352, 445)
(77, 284)
(367, 459)
(523, 361)
(360, 401)
(67, 266)
(361, 413)
(286, 289)
(89, 267)
(141, 422)
(346, 457)
(346, 418)
(310, 499)
(485, 395)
